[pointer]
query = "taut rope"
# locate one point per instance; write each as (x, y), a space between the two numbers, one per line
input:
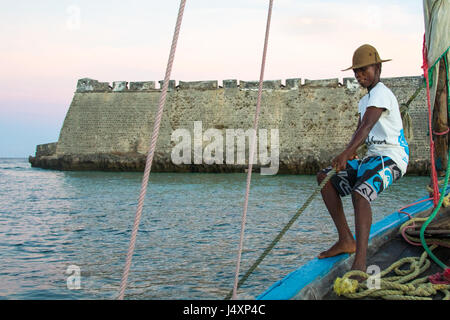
(283, 231)
(252, 151)
(151, 151)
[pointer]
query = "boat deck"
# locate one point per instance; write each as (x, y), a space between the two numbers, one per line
(315, 279)
(396, 249)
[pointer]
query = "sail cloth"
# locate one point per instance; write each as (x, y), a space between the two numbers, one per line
(437, 37)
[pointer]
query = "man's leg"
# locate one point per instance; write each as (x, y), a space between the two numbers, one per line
(363, 221)
(333, 202)
(375, 175)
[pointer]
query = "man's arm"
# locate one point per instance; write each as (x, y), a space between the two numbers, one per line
(370, 118)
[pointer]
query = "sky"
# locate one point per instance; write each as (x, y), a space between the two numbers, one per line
(47, 45)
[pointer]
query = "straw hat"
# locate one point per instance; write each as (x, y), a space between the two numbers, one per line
(365, 55)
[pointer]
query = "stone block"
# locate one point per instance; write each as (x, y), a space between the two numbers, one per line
(293, 83)
(142, 85)
(103, 86)
(322, 83)
(120, 86)
(47, 149)
(199, 85)
(171, 84)
(230, 84)
(267, 84)
(351, 83)
(272, 84)
(248, 84)
(87, 84)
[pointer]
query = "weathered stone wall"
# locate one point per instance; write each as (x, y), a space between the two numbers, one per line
(108, 127)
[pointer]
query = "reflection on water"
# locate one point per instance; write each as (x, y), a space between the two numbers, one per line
(188, 237)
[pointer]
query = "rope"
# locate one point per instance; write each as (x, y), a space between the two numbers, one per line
(446, 201)
(441, 133)
(252, 151)
(150, 154)
(402, 286)
(411, 224)
(436, 199)
(414, 95)
(406, 117)
(432, 216)
(401, 210)
(430, 127)
(283, 231)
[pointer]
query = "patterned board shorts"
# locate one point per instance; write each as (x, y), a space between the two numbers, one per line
(365, 176)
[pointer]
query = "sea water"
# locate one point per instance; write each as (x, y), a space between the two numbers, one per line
(65, 235)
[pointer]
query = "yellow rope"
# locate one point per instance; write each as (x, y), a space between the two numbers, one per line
(399, 287)
(446, 202)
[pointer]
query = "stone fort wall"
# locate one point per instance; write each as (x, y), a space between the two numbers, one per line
(109, 126)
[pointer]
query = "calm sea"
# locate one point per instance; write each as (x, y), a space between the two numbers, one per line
(188, 237)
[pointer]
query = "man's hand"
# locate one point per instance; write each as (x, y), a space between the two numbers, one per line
(365, 124)
(340, 162)
(354, 156)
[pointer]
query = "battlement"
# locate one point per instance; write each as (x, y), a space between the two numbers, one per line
(92, 85)
(108, 125)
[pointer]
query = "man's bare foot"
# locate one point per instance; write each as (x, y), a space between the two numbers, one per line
(360, 267)
(338, 248)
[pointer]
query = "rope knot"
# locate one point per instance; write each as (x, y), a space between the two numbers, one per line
(345, 285)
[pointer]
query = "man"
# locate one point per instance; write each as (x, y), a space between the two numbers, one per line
(380, 127)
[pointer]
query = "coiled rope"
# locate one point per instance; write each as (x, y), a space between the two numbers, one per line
(411, 224)
(398, 287)
(150, 153)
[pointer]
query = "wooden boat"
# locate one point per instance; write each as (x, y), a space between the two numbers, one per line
(315, 279)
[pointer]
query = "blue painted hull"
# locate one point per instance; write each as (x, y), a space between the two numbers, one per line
(288, 287)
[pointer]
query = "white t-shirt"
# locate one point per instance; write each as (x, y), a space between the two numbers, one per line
(386, 137)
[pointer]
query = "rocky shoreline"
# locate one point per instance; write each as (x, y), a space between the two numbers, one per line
(135, 162)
